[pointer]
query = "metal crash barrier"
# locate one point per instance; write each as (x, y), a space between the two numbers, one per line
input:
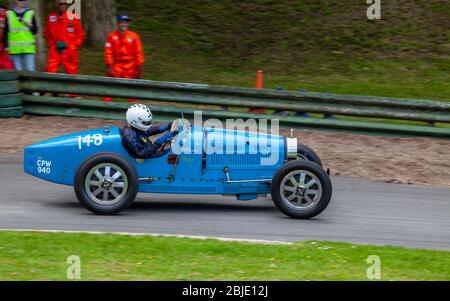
(168, 100)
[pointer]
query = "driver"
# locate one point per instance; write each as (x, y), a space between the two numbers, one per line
(137, 132)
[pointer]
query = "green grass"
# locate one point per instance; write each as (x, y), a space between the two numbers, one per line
(342, 76)
(43, 256)
(324, 46)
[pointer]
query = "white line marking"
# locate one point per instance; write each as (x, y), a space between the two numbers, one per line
(227, 239)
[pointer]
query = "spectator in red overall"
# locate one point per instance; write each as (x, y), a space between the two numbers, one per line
(5, 60)
(124, 55)
(64, 35)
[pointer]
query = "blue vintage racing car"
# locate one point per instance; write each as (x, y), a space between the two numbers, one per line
(106, 178)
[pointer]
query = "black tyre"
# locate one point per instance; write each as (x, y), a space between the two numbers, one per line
(106, 184)
(9, 87)
(301, 189)
(306, 153)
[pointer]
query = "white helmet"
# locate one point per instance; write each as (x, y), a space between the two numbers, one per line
(140, 117)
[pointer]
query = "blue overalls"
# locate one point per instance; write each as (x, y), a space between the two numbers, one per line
(138, 143)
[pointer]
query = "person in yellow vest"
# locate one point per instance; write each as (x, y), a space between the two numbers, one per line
(19, 35)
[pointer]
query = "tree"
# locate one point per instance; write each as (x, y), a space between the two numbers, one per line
(98, 20)
(41, 54)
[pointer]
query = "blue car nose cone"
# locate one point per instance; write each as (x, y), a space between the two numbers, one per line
(31, 158)
(28, 160)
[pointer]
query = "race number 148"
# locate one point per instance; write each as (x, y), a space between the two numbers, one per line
(89, 140)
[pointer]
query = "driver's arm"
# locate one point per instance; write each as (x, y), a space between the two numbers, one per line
(163, 139)
(158, 129)
(145, 150)
(141, 149)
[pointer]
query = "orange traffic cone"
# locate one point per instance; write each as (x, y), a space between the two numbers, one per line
(259, 84)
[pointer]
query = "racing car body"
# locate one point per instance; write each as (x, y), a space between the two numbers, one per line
(198, 161)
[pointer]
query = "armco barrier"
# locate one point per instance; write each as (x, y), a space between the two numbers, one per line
(359, 106)
(10, 96)
(424, 112)
(86, 108)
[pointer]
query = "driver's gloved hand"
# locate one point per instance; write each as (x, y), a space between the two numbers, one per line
(174, 126)
(165, 128)
(165, 138)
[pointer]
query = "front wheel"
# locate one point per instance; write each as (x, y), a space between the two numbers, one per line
(306, 153)
(301, 189)
(106, 184)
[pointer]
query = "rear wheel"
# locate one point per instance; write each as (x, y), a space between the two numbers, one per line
(301, 189)
(106, 184)
(306, 153)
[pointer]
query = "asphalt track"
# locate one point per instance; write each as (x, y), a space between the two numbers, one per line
(361, 212)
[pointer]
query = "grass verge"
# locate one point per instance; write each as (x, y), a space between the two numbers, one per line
(43, 256)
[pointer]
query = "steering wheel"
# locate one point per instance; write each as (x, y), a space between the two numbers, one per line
(178, 126)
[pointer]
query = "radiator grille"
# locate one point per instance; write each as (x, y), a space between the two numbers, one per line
(234, 160)
(167, 188)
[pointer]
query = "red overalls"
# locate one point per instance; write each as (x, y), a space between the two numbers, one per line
(124, 53)
(5, 60)
(63, 28)
(124, 56)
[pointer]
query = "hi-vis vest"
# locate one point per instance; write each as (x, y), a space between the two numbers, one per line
(20, 38)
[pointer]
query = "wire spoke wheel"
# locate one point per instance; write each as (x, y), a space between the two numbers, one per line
(106, 184)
